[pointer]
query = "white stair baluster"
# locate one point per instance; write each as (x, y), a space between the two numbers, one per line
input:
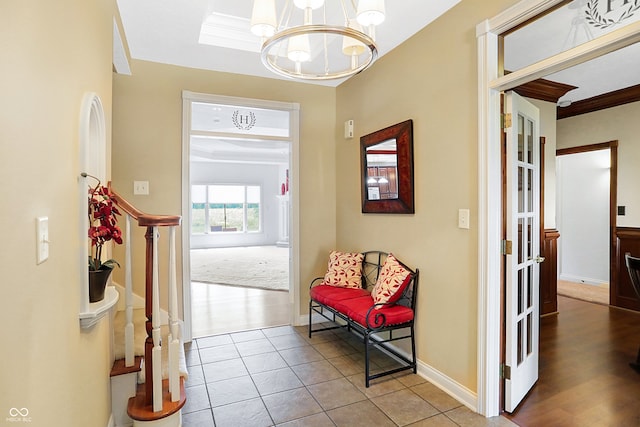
(174, 334)
(156, 355)
(128, 329)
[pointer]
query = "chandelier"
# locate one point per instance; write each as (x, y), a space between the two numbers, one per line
(296, 47)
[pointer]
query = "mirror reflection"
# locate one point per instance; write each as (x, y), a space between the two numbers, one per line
(382, 171)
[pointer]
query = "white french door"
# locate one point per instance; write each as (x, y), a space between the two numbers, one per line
(522, 259)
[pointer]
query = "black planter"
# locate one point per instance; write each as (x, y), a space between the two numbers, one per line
(98, 283)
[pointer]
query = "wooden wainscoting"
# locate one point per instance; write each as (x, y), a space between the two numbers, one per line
(622, 294)
(549, 272)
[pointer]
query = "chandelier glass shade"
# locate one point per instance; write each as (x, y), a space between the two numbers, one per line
(334, 47)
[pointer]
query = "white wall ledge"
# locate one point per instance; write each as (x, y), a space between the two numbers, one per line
(98, 310)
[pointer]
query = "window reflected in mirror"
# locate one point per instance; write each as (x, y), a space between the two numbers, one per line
(382, 171)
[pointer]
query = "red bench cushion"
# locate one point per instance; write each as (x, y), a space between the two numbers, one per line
(331, 295)
(357, 308)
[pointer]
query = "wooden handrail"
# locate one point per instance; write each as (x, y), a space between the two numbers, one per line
(144, 220)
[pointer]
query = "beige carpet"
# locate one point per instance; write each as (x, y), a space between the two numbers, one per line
(263, 267)
(591, 293)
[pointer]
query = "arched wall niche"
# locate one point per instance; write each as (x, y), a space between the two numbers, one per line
(92, 161)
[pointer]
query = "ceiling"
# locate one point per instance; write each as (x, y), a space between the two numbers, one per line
(167, 31)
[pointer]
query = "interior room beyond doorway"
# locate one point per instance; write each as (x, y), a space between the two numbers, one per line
(238, 208)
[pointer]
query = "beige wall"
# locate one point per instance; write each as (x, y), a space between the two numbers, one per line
(432, 79)
(51, 54)
(147, 145)
(621, 124)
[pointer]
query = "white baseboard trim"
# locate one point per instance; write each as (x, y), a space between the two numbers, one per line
(453, 388)
(583, 280)
(111, 423)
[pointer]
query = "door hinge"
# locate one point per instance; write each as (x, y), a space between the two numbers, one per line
(505, 372)
(505, 120)
(505, 247)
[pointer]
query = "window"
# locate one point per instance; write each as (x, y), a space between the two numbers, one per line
(221, 208)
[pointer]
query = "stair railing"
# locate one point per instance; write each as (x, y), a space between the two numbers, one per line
(153, 342)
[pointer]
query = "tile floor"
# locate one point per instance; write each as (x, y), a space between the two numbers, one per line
(279, 377)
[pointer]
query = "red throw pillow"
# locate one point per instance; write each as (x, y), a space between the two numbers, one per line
(391, 282)
(344, 270)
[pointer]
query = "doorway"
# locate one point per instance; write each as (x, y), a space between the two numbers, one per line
(239, 200)
(491, 83)
(586, 211)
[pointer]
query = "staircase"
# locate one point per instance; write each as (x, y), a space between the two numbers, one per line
(147, 378)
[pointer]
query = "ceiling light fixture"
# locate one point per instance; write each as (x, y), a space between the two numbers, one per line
(295, 47)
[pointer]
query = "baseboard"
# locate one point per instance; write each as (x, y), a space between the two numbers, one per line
(111, 423)
(583, 280)
(453, 388)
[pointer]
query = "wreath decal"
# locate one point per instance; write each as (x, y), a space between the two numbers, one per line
(252, 120)
(597, 20)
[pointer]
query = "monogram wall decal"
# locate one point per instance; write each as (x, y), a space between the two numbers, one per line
(607, 13)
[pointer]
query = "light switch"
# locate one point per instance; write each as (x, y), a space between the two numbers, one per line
(140, 188)
(463, 218)
(42, 239)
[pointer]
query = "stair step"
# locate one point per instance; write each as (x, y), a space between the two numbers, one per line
(138, 410)
(139, 332)
(119, 367)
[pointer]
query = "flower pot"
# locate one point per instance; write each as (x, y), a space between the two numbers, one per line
(98, 283)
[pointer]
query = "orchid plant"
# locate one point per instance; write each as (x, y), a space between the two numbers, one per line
(103, 225)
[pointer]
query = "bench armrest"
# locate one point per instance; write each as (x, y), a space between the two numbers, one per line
(314, 281)
(379, 319)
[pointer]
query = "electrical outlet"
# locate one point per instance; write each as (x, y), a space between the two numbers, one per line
(140, 188)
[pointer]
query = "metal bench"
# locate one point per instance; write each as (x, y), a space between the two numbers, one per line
(355, 310)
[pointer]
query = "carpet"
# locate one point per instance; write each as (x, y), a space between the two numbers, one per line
(263, 267)
(584, 292)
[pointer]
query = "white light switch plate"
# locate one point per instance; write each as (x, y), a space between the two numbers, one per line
(463, 218)
(42, 239)
(140, 188)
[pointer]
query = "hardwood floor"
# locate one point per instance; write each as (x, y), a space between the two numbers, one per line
(585, 378)
(221, 309)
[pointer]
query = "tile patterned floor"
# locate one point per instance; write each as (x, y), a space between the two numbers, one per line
(279, 377)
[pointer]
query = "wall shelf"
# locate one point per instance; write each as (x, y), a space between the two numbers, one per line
(98, 310)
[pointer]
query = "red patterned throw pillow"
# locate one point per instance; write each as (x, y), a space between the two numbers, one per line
(391, 282)
(344, 270)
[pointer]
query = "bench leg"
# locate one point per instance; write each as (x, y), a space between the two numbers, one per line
(366, 359)
(413, 350)
(310, 313)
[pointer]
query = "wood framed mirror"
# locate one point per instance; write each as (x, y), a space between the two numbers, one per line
(387, 170)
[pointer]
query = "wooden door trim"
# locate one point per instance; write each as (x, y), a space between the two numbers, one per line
(613, 202)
